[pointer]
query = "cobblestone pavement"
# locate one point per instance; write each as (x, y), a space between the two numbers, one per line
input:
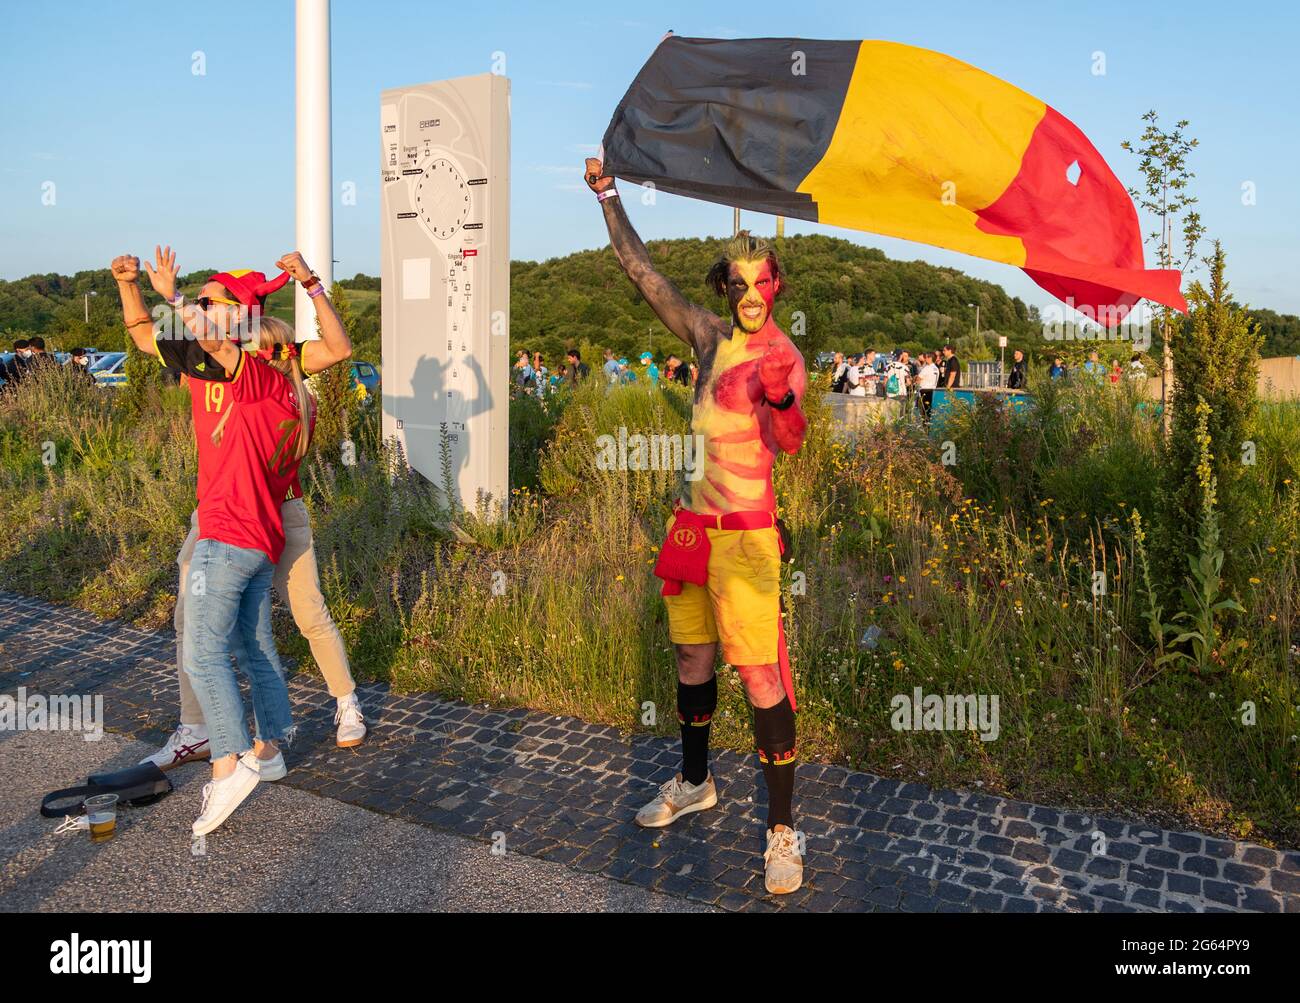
(563, 790)
(284, 851)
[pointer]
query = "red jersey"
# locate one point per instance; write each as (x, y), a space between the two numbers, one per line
(252, 469)
(209, 400)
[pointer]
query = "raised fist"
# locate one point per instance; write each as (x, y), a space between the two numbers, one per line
(596, 180)
(126, 268)
(774, 370)
(295, 266)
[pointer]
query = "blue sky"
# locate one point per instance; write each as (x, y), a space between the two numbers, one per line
(100, 99)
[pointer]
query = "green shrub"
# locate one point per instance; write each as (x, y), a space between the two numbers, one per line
(1216, 359)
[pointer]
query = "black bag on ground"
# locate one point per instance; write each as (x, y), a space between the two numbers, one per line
(135, 787)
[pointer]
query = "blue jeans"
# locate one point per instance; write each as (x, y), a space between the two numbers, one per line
(228, 596)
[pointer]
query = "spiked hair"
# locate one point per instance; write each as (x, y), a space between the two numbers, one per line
(744, 246)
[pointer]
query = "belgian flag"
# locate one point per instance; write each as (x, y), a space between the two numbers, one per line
(891, 139)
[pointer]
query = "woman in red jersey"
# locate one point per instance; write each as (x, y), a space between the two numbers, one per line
(256, 447)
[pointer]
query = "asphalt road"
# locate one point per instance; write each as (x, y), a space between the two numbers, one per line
(283, 850)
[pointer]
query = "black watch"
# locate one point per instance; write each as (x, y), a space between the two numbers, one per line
(785, 403)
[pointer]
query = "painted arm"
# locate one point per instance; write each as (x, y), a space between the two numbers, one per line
(334, 345)
(678, 314)
(126, 270)
(212, 339)
(780, 371)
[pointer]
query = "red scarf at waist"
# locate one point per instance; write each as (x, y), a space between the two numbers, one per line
(684, 557)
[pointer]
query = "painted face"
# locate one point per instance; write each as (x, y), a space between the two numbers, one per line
(751, 291)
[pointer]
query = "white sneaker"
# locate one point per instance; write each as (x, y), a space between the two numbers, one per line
(677, 798)
(266, 769)
(352, 726)
(186, 744)
(783, 867)
(221, 797)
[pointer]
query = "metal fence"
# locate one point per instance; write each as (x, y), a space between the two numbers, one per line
(981, 375)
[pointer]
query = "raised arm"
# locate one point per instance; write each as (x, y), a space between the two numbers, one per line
(684, 318)
(126, 270)
(334, 345)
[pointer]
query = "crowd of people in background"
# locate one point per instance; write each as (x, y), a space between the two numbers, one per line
(896, 375)
(30, 355)
(532, 376)
(1097, 370)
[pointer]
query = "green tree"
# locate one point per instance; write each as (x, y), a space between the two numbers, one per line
(1166, 180)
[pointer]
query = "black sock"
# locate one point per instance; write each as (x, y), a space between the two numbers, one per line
(774, 736)
(695, 707)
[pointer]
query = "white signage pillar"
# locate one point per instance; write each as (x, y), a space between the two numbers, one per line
(445, 261)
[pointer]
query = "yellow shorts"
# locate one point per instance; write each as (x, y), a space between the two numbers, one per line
(741, 603)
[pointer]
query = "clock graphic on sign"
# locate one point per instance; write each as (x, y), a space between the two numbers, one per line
(442, 198)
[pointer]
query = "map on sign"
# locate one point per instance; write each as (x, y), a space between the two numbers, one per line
(445, 161)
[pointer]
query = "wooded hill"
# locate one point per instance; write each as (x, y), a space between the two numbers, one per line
(850, 297)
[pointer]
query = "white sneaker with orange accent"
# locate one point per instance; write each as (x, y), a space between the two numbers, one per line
(783, 867)
(677, 798)
(352, 725)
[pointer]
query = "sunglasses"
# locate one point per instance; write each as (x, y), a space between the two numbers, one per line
(204, 302)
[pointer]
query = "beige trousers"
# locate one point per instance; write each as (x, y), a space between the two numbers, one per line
(297, 579)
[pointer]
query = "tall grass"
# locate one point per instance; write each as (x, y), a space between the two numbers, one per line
(1025, 583)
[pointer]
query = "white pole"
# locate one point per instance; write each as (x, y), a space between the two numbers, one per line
(315, 228)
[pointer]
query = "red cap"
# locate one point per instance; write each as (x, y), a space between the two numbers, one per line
(248, 287)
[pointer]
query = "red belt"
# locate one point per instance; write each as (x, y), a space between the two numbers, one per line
(732, 520)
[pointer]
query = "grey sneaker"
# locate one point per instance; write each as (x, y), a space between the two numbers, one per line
(783, 867)
(676, 798)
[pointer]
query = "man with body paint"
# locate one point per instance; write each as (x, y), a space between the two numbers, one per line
(721, 558)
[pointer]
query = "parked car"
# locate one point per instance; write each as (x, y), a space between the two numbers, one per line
(364, 374)
(109, 369)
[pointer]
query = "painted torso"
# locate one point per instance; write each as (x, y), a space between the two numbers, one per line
(734, 426)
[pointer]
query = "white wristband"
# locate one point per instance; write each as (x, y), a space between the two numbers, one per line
(608, 193)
